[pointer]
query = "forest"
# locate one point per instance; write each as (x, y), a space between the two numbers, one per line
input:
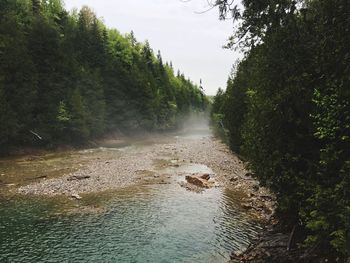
(67, 78)
(286, 110)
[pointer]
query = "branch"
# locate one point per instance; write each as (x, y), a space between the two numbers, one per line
(205, 11)
(35, 134)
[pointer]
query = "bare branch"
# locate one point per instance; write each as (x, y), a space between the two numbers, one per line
(36, 135)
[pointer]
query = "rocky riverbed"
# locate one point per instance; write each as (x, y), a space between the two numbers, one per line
(195, 162)
(159, 163)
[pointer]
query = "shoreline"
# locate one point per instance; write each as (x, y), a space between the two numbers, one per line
(16, 151)
(150, 164)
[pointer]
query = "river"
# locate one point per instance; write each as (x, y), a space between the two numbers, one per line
(146, 221)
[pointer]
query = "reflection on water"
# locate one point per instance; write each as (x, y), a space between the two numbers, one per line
(188, 169)
(149, 223)
(153, 223)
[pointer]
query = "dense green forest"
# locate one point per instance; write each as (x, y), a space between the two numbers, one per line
(287, 110)
(65, 77)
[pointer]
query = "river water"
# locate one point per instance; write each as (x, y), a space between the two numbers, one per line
(141, 223)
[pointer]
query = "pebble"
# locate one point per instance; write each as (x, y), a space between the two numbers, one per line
(76, 196)
(125, 170)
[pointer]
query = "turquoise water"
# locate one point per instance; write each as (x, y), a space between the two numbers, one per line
(151, 223)
(157, 223)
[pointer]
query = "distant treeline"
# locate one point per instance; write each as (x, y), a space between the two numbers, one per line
(287, 110)
(66, 77)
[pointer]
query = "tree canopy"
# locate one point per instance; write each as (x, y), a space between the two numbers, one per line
(287, 110)
(68, 78)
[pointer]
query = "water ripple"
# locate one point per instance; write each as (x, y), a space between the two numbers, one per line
(149, 224)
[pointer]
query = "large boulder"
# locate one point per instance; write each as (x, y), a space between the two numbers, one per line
(201, 180)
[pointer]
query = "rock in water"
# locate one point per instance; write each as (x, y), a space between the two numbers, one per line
(200, 180)
(205, 176)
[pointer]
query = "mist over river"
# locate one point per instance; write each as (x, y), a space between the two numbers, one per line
(149, 220)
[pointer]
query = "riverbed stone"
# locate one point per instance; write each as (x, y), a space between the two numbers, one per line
(76, 196)
(201, 180)
(78, 177)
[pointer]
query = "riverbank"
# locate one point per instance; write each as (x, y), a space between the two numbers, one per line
(43, 148)
(154, 163)
(279, 243)
(164, 159)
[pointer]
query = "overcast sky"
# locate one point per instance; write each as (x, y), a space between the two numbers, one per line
(192, 41)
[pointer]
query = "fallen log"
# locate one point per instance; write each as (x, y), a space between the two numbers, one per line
(78, 177)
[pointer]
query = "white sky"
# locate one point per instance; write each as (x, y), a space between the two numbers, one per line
(193, 42)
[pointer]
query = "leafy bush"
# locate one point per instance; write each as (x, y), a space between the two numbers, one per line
(287, 110)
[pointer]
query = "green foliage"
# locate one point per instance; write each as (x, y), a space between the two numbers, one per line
(70, 79)
(62, 113)
(218, 128)
(218, 102)
(79, 119)
(287, 110)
